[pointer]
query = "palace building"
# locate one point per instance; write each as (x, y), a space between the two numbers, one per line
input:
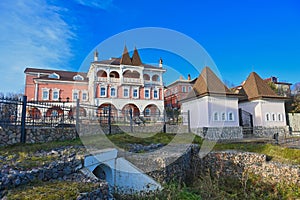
(123, 83)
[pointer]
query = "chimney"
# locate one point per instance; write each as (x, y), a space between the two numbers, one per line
(96, 55)
(160, 63)
(180, 78)
(189, 77)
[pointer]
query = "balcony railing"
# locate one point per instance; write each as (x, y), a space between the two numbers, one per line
(152, 82)
(114, 80)
(132, 80)
(102, 79)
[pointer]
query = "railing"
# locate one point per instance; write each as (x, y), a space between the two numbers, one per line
(102, 79)
(132, 80)
(152, 82)
(114, 80)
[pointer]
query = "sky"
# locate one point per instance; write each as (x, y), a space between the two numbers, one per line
(239, 36)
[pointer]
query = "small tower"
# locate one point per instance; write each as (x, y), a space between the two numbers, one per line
(96, 55)
(160, 63)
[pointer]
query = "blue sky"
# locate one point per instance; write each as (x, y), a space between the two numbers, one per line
(240, 36)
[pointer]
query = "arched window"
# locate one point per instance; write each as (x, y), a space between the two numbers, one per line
(146, 77)
(267, 117)
(223, 116)
(155, 77)
(273, 117)
(78, 78)
(216, 116)
(280, 117)
(230, 116)
(147, 112)
(53, 75)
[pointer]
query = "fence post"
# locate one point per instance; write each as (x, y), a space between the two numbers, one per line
(130, 114)
(109, 119)
(189, 121)
(23, 120)
(77, 115)
(165, 123)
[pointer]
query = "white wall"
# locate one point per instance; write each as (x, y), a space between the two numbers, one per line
(203, 109)
(259, 109)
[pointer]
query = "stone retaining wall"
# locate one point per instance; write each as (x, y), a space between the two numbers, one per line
(12, 135)
(261, 131)
(294, 121)
(238, 164)
(219, 133)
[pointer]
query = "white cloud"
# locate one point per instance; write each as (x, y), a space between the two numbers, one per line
(100, 4)
(32, 34)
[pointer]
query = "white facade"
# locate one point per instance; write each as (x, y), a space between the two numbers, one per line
(212, 111)
(266, 113)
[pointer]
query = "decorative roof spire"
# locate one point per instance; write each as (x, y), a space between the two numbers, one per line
(125, 60)
(160, 63)
(96, 55)
(136, 60)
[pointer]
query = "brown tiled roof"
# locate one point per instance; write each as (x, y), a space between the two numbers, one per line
(64, 75)
(208, 84)
(136, 60)
(125, 60)
(255, 87)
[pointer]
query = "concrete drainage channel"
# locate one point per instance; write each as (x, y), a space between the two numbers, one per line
(122, 176)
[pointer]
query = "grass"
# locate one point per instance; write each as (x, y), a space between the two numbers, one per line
(275, 152)
(51, 190)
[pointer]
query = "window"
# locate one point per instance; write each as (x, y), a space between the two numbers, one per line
(147, 112)
(155, 94)
(75, 95)
(183, 89)
(216, 116)
(78, 78)
(55, 95)
(45, 94)
(135, 93)
(84, 96)
(230, 116)
(223, 116)
(280, 117)
(126, 92)
(112, 92)
(190, 88)
(147, 94)
(102, 92)
(54, 113)
(273, 117)
(267, 117)
(53, 75)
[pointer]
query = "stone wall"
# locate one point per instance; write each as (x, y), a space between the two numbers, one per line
(219, 133)
(92, 129)
(66, 168)
(261, 131)
(237, 164)
(12, 135)
(294, 121)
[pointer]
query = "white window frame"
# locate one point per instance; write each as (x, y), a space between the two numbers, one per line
(115, 89)
(86, 94)
(149, 96)
(232, 116)
(54, 75)
(273, 117)
(183, 89)
(126, 88)
(105, 92)
(53, 91)
(190, 88)
(267, 117)
(223, 114)
(280, 117)
(45, 90)
(216, 114)
(147, 112)
(78, 78)
(157, 91)
(137, 92)
(73, 93)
